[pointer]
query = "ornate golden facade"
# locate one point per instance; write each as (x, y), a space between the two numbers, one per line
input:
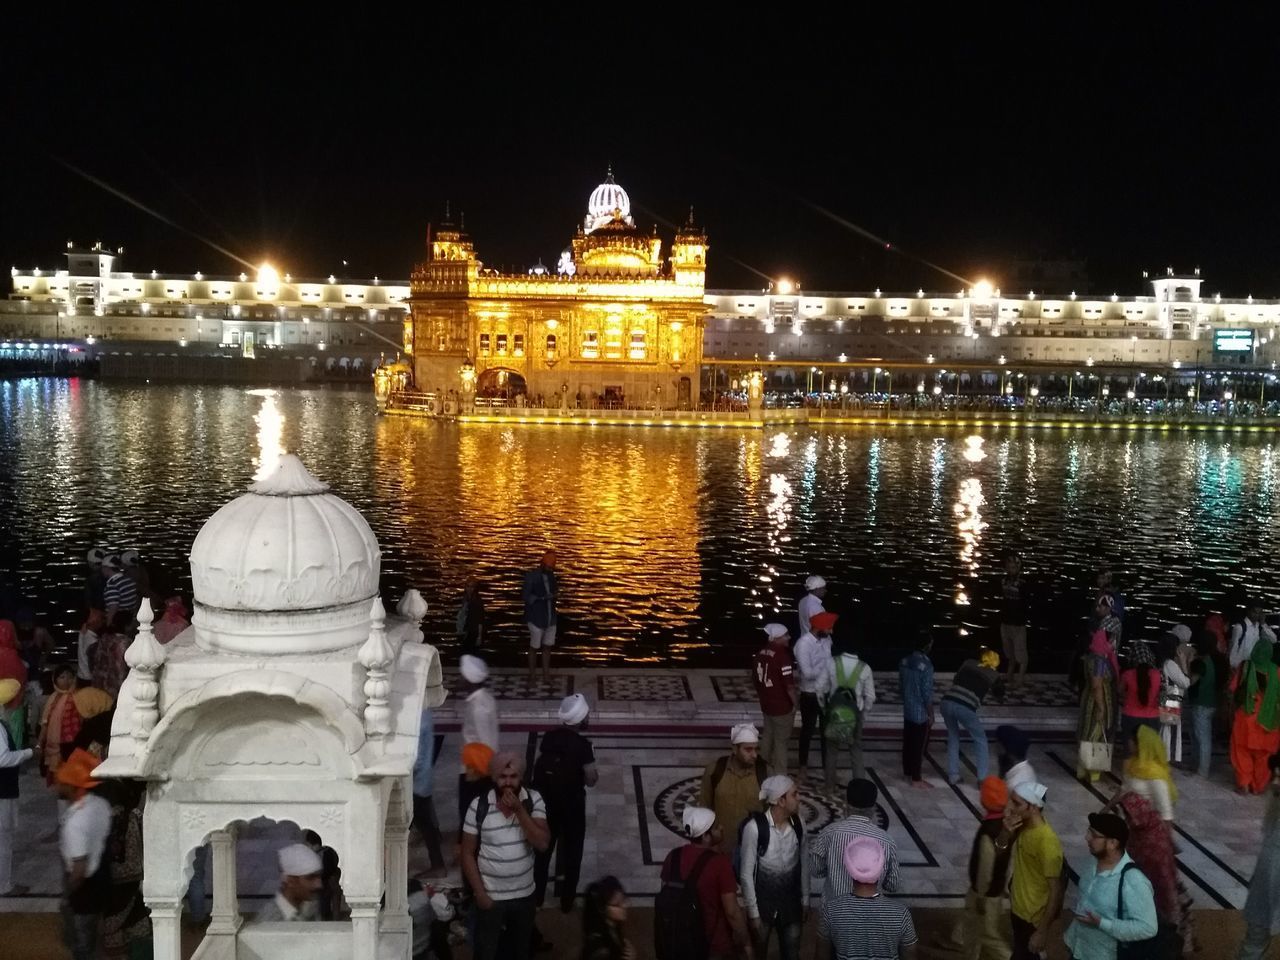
(613, 323)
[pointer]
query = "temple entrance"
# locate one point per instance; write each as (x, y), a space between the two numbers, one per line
(499, 384)
(683, 393)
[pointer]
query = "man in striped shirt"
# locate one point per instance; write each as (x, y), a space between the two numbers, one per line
(500, 835)
(121, 593)
(863, 924)
(827, 855)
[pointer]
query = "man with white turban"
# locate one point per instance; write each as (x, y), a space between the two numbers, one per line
(300, 884)
(774, 868)
(699, 866)
(1037, 887)
(731, 784)
(774, 680)
(815, 589)
(564, 769)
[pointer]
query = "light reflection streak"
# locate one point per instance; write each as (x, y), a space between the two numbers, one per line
(270, 423)
(970, 527)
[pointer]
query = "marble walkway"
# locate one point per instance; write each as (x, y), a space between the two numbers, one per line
(655, 730)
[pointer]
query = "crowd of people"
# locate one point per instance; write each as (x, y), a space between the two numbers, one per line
(747, 875)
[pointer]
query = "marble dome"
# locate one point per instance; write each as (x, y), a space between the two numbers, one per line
(608, 202)
(290, 550)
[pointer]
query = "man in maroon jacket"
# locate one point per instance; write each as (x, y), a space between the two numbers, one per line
(773, 678)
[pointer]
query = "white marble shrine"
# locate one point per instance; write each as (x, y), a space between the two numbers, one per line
(293, 696)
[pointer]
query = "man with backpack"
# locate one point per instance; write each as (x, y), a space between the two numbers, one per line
(563, 771)
(847, 705)
(731, 784)
(503, 829)
(774, 869)
(1116, 903)
(696, 914)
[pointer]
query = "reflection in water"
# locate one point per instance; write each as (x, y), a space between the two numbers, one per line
(270, 432)
(668, 539)
(970, 526)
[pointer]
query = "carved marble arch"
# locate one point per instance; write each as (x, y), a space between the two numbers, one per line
(256, 725)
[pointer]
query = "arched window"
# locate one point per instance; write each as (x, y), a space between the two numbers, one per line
(551, 346)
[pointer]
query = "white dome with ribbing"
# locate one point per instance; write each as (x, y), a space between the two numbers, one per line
(286, 568)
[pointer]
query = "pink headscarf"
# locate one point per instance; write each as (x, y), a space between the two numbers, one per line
(173, 621)
(1101, 646)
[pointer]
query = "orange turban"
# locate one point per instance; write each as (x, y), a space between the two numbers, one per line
(476, 758)
(77, 770)
(994, 795)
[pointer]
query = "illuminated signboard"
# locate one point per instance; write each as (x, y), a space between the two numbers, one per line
(1232, 341)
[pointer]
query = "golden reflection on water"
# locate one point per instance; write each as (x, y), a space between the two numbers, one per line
(617, 515)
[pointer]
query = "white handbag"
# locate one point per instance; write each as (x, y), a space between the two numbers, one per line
(1095, 756)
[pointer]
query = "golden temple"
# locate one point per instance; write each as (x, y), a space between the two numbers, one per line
(614, 324)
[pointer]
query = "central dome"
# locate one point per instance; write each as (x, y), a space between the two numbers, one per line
(288, 567)
(608, 202)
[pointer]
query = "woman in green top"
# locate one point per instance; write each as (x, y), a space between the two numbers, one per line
(1202, 701)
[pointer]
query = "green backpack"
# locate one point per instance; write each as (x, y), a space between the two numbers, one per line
(843, 719)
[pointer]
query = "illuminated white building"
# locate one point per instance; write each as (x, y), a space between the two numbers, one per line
(90, 297)
(1174, 321)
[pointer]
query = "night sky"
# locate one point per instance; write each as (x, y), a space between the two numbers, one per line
(967, 144)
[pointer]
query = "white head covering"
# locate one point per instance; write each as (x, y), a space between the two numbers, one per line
(775, 630)
(129, 558)
(1182, 632)
(744, 733)
(814, 583)
(574, 709)
(775, 788)
(1032, 793)
(474, 670)
(298, 860)
(697, 821)
(441, 908)
(96, 556)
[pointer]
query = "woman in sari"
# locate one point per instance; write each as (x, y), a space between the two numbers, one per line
(1255, 730)
(1147, 773)
(1098, 698)
(65, 714)
(1151, 847)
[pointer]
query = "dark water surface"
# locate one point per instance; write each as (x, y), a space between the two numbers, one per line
(674, 544)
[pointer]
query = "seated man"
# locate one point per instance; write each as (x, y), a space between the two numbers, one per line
(300, 884)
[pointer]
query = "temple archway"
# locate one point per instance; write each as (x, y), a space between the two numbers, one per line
(500, 382)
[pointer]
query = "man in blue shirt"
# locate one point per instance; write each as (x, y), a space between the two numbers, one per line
(916, 674)
(424, 810)
(539, 594)
(1116, 902)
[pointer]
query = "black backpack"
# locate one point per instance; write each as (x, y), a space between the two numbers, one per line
(557, 776)
(1155, 948)
(679, 932)
(762, 834)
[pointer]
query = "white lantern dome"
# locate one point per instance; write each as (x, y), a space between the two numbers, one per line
(287, 568)
(608, 202)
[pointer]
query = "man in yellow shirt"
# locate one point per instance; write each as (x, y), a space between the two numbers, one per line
(1037, 888)
(731, 784)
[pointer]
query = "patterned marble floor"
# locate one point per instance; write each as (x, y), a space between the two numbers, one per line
(647, 776)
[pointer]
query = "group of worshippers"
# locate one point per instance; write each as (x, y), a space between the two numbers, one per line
(768, 859)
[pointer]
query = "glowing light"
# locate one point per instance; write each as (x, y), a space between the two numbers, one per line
(1089, 362)
(920, 387)
(929, 358)
(982, 290)
(1227, 394)
(785, 286)
(973, 451)
(781, 445)
(937, 390)
(270, 423)
(1035, 391)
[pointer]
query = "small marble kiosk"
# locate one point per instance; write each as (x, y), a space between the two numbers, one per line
(292, 696)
